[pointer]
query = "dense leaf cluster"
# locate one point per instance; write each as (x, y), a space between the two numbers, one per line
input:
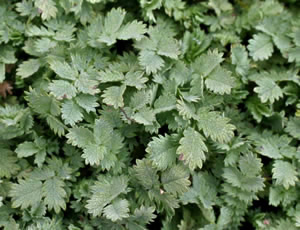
(149, 114)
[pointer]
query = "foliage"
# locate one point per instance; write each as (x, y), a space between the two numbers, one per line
(149, 114)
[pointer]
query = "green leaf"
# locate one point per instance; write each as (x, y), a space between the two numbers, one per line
(258, 109)
(80, 136)
(118, 210)
(164, 103)
(71, 113)
(93, 154)
(284, 173)
(294, 54)
(62, 89)
(8, 163)
(135, 79)
(206, 63)
(105, 191)
(176, 180)
(87, 102)
(28, 68)
(86, 85)
(192, 148)
(63, 70)
(146, 173)
(260, 47)
(239, 57)
(114, 96)
(132, 30)
(250, 165)
(54, 193)
(215, 126)
(162, 151)
(245, 183)
(203, 191)
(220, 81)
(150, 61)
(42, 103)
(2, 72)
(112, 24)
(168, 47)
(47, 7)
(271, 146)
(268, 90)
(56, 125)
(110, 76)
(144, 215)
(26, 193)
(7, 55)
(27, 149)
(145, 116)
(44, 45)
(26, 8)
(293, 127)
(185, 109)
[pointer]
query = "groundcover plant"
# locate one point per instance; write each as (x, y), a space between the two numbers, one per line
(149, 114)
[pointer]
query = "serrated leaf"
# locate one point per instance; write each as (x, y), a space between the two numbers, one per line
(260, 47)
(150, 61)
(27, 149)
(71, 112)
(192, 148)
(42, 103)
(145, 116)
(114, 96)
(215, 126)
(8, 163)
(168, 47)
(62, 89)
(54, 193)
(105, 191)
(86, 85)
(112, 24)
(176, 180)
(144, 215)
(26, 193)
(28, 68)
(250, 165)
(206, 63)
(294, 54)
(44, 45)
(117, 210)
(93, 154)
(146, 173)
(185, 109)
(56, 125)
(132, 30)
(162, 151)
(239, 57)
(293, 127)
(47, 7)
(268, 90)
(26, 8)
(203, 190)
(87, 102)
(110, 76)
(135, 79)
(220, 81)
(63, 70)
(164, 103)
(284, 173)
(258, 109)
(80, 136)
